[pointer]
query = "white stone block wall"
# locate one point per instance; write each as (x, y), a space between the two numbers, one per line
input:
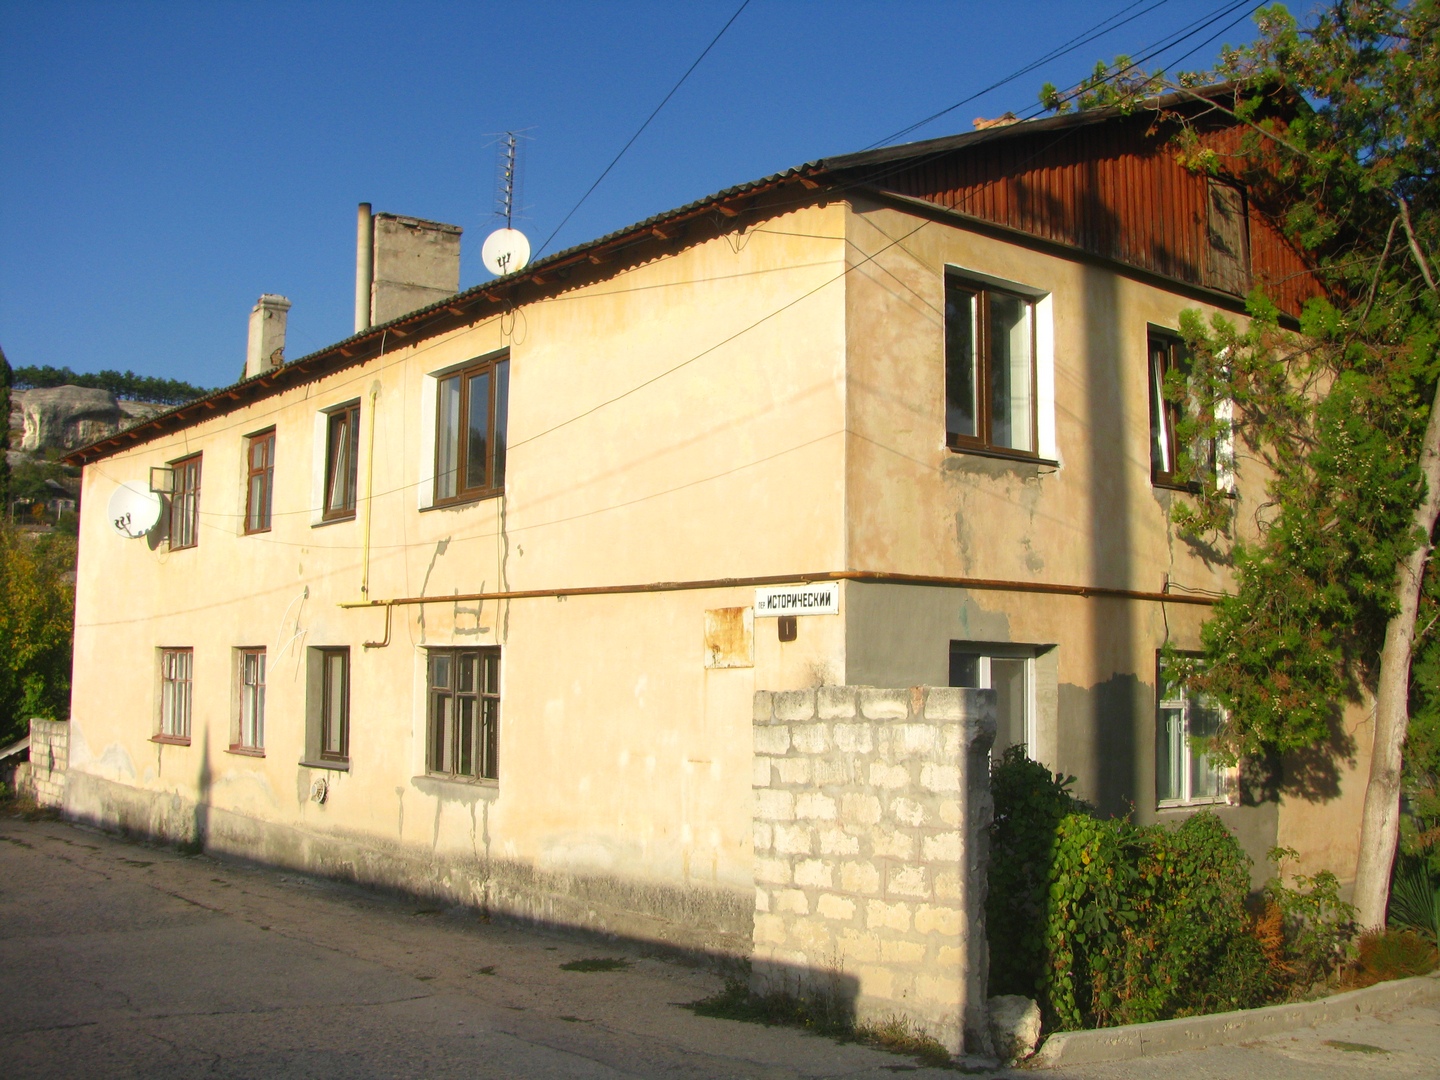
(871, 818)
(44, 781)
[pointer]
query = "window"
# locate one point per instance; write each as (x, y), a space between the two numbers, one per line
(1009, 670)
(464, 722)
(335, 704)
(250, 672)
(471, 409)
(175, 667)
(989, 368)
(185, 503)
(1170, 361)
(342, 453)
(259, 480)
(1184, 773)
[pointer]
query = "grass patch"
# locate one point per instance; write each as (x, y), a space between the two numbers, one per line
(596, 963)
(821, 1016)
(1355, 1048)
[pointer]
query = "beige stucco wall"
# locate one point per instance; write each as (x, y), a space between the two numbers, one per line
(1088, 516)
(657, 432)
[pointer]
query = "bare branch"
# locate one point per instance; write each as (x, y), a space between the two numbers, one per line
(1420, 259)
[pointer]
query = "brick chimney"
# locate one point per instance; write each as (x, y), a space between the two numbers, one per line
(267, 335)
(414, 263)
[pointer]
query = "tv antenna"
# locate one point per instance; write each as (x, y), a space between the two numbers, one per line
(506, 250)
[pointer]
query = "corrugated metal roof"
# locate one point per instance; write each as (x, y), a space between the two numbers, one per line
(355, 349)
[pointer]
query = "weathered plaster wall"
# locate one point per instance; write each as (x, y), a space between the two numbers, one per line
(872, 811)
(648, 442)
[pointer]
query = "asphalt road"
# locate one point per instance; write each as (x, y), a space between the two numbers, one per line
(124, 960)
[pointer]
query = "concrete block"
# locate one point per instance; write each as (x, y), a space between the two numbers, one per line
(769, 930)
(949, 957)
(811, 738)
(814, 806)
(858, 809)
(773, 871)
(952, 741)
(854, 738)
(886, 915)
(909, 740)
(839, 908)
(832, 771)
(859, 947)
(794, 840)
(942, 920)
(861, 878)
(793, 770)
(795, 705)
(835, 702)
(762, 835)
(947, 884)
(949, 811)
(943, 847)
(945, 703)
(889, 776)
(884, 704)
(908, 880)
(893, 844)
(763, 707)
(875, 981)
(941, 778)
(792, 902)
(940, 989)
(762, 900)
(836, 841)
(899, 951)
(772, 805)
(907, 811)
(772, 739)
(816, 873)
(760, 771)
(814, 938)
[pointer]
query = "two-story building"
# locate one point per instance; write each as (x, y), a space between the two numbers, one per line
(466, 604)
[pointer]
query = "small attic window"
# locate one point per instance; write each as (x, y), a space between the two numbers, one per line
(1227, 235)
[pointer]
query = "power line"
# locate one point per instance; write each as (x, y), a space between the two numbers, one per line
(539, 251)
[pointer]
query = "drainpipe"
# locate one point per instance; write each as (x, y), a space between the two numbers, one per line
(364, 266)
(369, 484)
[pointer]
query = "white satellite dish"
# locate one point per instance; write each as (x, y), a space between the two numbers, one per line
(134, 509)
(505, 251)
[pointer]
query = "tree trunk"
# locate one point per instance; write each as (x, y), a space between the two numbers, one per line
(1380, 821)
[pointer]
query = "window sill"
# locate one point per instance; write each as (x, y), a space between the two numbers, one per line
(171, 740)
(324, 763)
(256, 532)
(440, 784)
(461, 504)
(332, 521)
(246, 751)
(1003, 455)
(182, 547)
(1193, 804)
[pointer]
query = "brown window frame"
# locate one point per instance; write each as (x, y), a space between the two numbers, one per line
(264, 475)
(176, 712)
(184, 522)
(255, 744)
(328, 706)
(1166, 352)
(983, 439)
(496, 369)
(446, 734)
(345, 419)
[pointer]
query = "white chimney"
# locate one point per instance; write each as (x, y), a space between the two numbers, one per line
(267, 335)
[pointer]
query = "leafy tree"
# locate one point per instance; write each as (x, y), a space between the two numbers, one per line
(123, 384)
(37, 611)
(5, 378)
(1336, 598)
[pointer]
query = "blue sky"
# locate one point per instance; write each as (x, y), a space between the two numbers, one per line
(166, 163)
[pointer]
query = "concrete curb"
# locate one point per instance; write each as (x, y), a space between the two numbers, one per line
(1198, 1032)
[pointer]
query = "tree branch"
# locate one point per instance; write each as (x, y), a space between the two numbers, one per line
(1420, 259)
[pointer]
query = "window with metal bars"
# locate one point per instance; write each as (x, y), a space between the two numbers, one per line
(175, 682)
(185, 503)
(464, 720)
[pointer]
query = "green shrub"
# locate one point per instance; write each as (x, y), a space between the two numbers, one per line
(1415, 898)
(1316, 925)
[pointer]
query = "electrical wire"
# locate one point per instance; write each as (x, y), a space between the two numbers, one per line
(641, 129)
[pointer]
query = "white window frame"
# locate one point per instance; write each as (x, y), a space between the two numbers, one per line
(177, 681)
(988, 651)
(249, 734)
(1185, 704)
